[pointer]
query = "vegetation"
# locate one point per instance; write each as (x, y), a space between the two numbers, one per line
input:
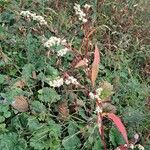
(68, 70)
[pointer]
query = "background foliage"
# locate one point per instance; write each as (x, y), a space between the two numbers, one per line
(53, 120)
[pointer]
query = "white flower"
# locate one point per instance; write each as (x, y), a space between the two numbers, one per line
(80, 13)
(140, 147)
(98, 91)
(87, 6)
(67, 82)
(62, 52)
(86, 61)
(71, 79)
(97, 97)
(91, 95)
(33, 16)
(25, 14)
(136, 136)
(98, 109)
(54, 41)
(94, 96)
(131, 146)
(57, 82)
(84, 20)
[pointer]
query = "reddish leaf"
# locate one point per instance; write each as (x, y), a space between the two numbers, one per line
(119, 125)
(95, 65)
(81, 63)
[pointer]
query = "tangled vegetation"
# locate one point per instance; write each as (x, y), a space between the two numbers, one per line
(74, 75)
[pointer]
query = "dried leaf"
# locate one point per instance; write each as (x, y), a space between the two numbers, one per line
(119, 125)
(95, 65)
(80, 64)
(109, 108)
(20, 84)
(4, 57)
(20, 103)
(34, 75)
(63, 110)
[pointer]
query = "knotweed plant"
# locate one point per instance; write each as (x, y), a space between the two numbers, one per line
(58, 84)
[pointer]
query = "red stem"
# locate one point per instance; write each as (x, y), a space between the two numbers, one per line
(101, 128)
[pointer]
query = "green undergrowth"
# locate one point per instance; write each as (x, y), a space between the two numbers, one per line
(64, 118)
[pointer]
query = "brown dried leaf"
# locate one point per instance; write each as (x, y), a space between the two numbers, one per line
(34, 75)
(20, 103)
(4, 57)
(80, 64)
(20, 84)
(63, 111)
(95, 65)
(109, 108)
(80, 103)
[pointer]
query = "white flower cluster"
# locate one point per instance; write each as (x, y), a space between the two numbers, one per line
(87, 6)
(93, 96)
(98, 109)
(132, 146)
(140, 147)
(97, 95)
(71, 80)
(80, 13)
(54, 41)
(99, 91)
(33, 16)
(86, 61)
(57, 82)
(62, 52)
(26, 14)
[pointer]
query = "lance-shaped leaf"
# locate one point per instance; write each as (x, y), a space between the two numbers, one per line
(95, 65)
(81, 63)
(119, 125)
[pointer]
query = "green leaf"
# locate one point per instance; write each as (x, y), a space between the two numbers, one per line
(115, 137)
(2, 119)
(48, 95)
(4, 112)
(97, 144)
(33, 124)
(2, 78)
(19, 122)
(51, 71)
(11, 141)
(40, 139)
(7, 114)
(2, 128)
(38, 106)
(27, 71)
(37, 145)
(71, 142)
(55, 129)
(72, 128)
(11, 93)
